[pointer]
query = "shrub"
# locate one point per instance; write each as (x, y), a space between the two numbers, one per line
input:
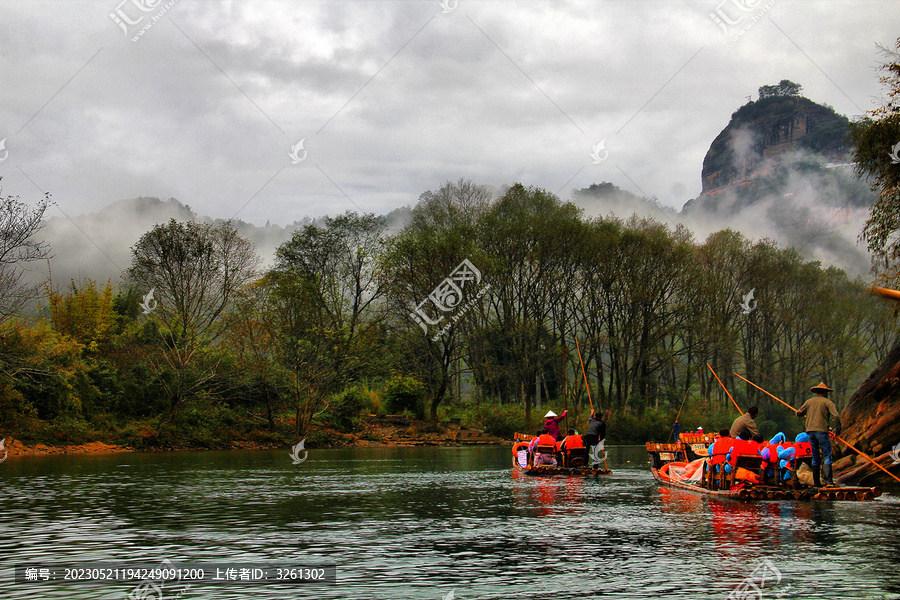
(402, 393)
(346, 408)
(503, 420)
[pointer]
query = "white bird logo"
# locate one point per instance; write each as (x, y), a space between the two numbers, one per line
(600, 147)
(895, 453)
(296, 452)
(5, 151)
(746, 306)
(449, 5)
(149, 304)
(895, 155)
(3, 449)
(295, 153)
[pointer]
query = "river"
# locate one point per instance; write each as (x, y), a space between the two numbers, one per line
(429, 523)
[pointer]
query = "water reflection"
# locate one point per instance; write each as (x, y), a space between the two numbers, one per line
(419, 522)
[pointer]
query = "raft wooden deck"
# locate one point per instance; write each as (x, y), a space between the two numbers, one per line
(571, 471)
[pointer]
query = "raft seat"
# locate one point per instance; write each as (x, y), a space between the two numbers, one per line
(550, 450)
(751, 463)
(573, 458)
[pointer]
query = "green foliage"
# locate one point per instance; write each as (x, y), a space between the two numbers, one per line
(346, 409)
(402, 393)
(85, 314)
(875, 140)
(785, 88)
(501, 421)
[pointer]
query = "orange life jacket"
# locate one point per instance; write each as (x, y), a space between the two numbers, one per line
(743, 448)
(719, 449)
(803, 449)
(546, 440)
(773, 454)
(573, 442)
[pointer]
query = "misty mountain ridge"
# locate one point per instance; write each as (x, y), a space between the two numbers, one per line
(780, 169)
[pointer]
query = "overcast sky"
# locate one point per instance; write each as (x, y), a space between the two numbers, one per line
(392, 99)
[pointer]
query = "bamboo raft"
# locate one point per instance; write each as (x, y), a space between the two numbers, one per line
(571, 465)
(692, 447)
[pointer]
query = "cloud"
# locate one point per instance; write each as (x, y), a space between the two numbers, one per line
(207, 104)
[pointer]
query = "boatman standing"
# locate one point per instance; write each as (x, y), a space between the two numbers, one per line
(594, 439)
(744, 426)
(819, 410)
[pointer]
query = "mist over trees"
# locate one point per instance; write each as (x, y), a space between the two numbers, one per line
(876, 140)
(471, 310)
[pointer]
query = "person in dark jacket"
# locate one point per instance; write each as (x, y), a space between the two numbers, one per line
(594, 439)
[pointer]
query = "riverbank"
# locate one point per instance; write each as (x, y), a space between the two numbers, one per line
(382, 431)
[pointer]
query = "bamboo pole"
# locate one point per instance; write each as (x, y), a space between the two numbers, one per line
(583, 372)
(724, 388)
(871, 460)
(768, 394)
(885, 293)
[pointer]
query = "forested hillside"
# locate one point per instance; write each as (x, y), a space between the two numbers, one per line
(470, 311)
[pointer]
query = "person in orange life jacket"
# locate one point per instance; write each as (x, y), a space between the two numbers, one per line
(718, 450)
(572, 442)
(542, 458)
(818, 411)
(593, 439)
(551, 423)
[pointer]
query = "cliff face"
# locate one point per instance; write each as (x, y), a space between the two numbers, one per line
(871, 422)
(749, 149)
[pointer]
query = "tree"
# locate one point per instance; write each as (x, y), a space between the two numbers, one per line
(18, 247)
(194, 271)
(86, 314)
(440, 235)
(785, 88)
(876, 141)
(324, 293)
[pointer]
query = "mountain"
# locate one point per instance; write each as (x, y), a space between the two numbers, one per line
(98, 245)
(781, 168)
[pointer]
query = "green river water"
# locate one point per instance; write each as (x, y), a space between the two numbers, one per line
(436, 523)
